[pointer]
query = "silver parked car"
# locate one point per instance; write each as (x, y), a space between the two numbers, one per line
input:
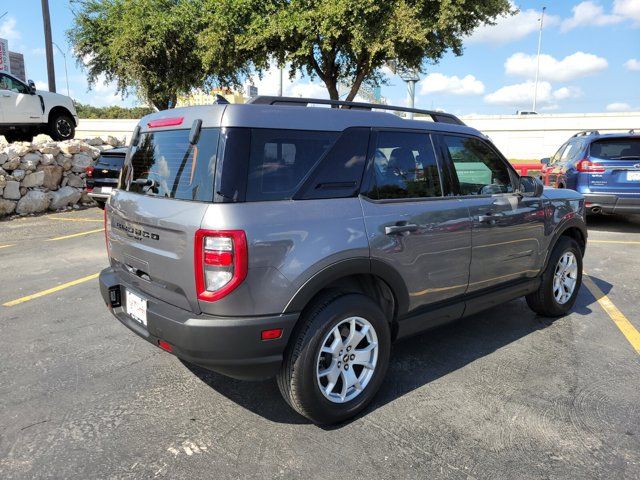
(276, 239)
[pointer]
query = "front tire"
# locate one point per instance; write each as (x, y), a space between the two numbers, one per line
(61, 127)
(560, 282)
(337, 361)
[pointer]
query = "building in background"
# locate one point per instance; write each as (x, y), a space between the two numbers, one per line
(199, 97)
(16, 66)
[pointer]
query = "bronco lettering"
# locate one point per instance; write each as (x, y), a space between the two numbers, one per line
(137, 232)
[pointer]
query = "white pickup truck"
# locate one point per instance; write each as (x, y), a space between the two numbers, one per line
(25, 111)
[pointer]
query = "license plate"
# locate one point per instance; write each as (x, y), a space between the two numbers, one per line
(137, 307)
(633, 176)
(107, 189)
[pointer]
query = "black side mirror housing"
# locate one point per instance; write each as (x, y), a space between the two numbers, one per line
(530, 187)
(545, 161)
(32, 87)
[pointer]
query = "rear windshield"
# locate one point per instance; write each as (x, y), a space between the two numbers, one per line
(616, 149)
(165, 164)
(110, 161)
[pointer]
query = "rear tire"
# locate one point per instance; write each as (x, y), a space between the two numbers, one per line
(561, 280)
(339, 334)
(61, 127)
(18, 137)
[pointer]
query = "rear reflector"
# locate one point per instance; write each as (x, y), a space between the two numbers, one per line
(272, 334)
(89, 170)
(165, 122)
(165, 346)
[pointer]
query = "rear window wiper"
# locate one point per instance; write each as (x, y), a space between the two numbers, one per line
(627, 157)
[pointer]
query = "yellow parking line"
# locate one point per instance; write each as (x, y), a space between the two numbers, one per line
(632, 242)
(50, 290)
(76, 235)
(77, 219)
(623, 324)
(6, 246)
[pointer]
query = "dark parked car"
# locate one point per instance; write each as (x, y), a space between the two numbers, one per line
(276, 239)
(605, 168)
(102, 177)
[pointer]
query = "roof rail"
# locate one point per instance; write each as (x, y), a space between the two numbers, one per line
(585, 133)
(441, 117)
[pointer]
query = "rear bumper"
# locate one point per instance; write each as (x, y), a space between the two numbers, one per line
(228, 345)
(612, 203)
(98, 194)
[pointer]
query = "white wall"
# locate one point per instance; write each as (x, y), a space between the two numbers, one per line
(531, 137)
(518, 137)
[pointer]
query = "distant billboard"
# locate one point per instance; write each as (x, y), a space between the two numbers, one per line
(5, 65)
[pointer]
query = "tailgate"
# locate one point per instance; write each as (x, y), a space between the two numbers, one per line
(151, 243)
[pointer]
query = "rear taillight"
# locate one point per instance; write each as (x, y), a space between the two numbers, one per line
(589, 167)
(221, 262)
(89, 170)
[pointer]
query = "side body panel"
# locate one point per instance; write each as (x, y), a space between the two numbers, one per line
(289, 243)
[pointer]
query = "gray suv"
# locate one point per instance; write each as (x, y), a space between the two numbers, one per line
(278, 239)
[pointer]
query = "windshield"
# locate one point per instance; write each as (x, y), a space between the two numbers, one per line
(616, 149)
(164, 164)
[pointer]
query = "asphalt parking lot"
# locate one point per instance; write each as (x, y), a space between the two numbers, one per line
(502, 394)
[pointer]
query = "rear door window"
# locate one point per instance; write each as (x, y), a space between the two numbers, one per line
(616, 149)
(405, 166)
(110, 161)
(165, 164)
(279, 160)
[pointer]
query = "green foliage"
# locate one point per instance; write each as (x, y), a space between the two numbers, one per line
(336, 40)
(114, 111)
(144, 46)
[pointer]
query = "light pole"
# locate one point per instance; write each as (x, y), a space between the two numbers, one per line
(64, 56)
(410, 76)
(535, 87)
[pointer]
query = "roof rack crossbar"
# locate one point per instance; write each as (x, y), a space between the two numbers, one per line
(441, 117)
(586, 132)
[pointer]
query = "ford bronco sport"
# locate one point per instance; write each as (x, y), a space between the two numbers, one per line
(277, 239)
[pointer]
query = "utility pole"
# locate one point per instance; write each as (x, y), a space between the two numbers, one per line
(411, 77)
(535, 88)
(46, 20)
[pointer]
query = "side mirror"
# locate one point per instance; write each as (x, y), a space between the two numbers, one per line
(32, 87)
(530, 187)
(545, 161)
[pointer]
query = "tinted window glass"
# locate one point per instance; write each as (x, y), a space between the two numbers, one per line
(616, 149)
(8, 83)
(479, 170)
(110, 161)
(280, 159)
(172, 167)
(339, 173)
(405, 166)
(574, 147)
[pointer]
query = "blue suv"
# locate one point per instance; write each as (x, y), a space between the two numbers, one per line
(604, 168)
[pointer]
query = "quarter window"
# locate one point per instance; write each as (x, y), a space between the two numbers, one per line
(405, 166)
(479, 169)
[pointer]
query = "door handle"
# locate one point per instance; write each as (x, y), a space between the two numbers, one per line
(489, 217)
(400, 228)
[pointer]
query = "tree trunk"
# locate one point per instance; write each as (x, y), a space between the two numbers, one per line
(332, 88)
(357, 83)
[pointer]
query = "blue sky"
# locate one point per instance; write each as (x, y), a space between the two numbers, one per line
(590, 62)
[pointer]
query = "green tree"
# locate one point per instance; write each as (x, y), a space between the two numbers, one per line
(338, 41)
(146, 47)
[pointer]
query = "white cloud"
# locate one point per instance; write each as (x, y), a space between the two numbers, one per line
(521, 95)
(632, 64)
(588, 14)
(40, 85)
(439, 83)
(512, 27)
(105, 94)
(573, 66)
(629, 9)
(8, 30)
(564, 93)
(618, 107)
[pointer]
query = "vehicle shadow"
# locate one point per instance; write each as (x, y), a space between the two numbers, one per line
(414, 362)
(614, 223)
